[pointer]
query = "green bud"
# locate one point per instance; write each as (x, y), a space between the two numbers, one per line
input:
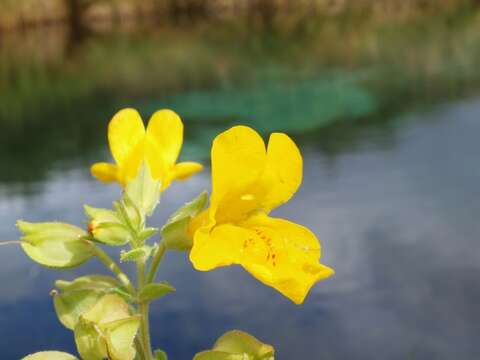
(154, 291)
(143, 191)
(238, 345)
(79, 296)
(175, 232)
(54, 244)
(50, 355)
(107, 329)
(106, 227)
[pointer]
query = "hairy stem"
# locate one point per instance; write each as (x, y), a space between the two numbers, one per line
(156, 262)
(112, 265)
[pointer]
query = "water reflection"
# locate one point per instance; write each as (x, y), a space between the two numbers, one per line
(398, 223)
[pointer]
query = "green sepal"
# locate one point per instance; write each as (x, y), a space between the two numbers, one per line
(239, 345)
(120, 335)
(131, 212)
(160, 355)
(143, 191)
(154, 291)
(54, 244)
(79, 296)
(100, 214)
(129, 217)
(141, 253)
(89, 340)
(175, 232)
(220, 355)
(107, 329)
(50, 355)
(237, 341)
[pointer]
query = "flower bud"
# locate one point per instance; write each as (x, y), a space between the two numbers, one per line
(106, 227)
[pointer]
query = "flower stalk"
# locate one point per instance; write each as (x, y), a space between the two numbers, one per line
(143, 308)
(113, 267)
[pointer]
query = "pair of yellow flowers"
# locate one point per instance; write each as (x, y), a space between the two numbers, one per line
(248, 181)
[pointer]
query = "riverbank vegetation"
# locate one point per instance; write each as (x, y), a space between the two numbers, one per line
(303, 74)
(89, 13)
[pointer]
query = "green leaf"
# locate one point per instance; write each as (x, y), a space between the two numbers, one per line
(107, 227)
(238, 345)
(175, 232)
(141, 253)
(54, 244)
(79, 296)
(160, 355)
(154, 291)
(50, 355)
(143, 191)
(147, 233)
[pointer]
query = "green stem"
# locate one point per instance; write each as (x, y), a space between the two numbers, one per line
(143, 309)
(139, 347)
(156, 262)
(112, 265)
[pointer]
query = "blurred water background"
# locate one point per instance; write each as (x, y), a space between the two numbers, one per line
(383, 97)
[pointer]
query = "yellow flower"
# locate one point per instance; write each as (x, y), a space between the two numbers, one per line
(248, 181)
(159, 146)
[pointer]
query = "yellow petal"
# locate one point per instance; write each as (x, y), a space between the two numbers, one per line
(128, 169)
(279, 253)
(125, 131)
(283, 171)
(164, 141)
(290, 259)
(184, 170)
(104, 172)
(238, 158)
(220, 246)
